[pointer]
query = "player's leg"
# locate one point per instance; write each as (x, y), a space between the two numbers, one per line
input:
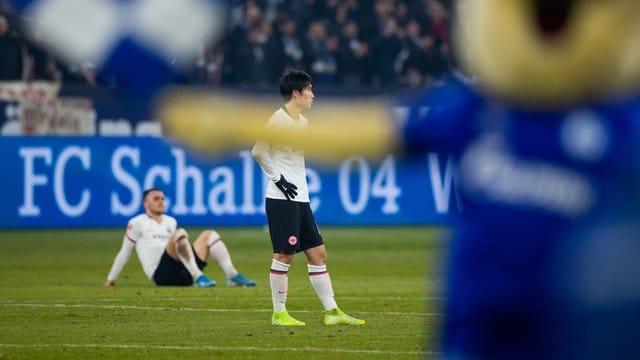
(316, 253)
(171, 272)
(210, 243)
(319, 276)
(279, 281)
(180, 249)
(282, 227)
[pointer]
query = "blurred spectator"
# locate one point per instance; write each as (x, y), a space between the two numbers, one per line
(384, 11)
(421, 61)
(41, 65)
(236, 42)
(326, 10)
(272, 9)
(208, 67)
(289, 52)
(413, 56)
(12, 61)
(354, 68)
(402, 14)
(438, 18)
(439, 23)
(362, 13)
(253, 65)
(320, 49)
(303, 12)
(385, 51)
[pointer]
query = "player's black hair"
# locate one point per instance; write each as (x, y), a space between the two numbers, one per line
(146, 192)
(293, 80)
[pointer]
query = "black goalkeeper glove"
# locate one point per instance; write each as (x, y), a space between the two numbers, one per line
(287, 188)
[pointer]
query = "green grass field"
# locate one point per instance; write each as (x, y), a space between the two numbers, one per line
(53, 303)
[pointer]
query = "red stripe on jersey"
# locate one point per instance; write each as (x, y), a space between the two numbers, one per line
(130, 239)
(317, 273)
(277, 272)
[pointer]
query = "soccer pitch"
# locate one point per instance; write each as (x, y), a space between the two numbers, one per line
(53, 303)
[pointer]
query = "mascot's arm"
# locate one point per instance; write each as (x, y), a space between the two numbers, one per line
(216, 123)
(372, 127)
(441, 119)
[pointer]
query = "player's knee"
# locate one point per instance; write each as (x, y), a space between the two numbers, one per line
(211, 236)
(284, 256)
(317, 257)
(180, 233)
(318, 260)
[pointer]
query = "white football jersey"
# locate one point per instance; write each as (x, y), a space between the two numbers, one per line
(149, 238)
(276, 160)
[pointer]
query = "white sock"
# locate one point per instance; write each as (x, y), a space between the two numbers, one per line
(279, 284)
(322, 284)
(185, 254)
(218, 252)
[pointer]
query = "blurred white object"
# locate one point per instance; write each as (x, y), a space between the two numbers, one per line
(149, 128)
(120, 127)
(12, 111)
(91, 30)
(78, 31)
(11, 128)
(174, 29)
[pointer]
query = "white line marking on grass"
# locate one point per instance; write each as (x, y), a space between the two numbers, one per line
(151, 308)
(133, 307)
(219, 348)
(367, 298)
(250, 298)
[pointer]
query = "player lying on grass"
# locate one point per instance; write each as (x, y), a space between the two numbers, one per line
(165, 253)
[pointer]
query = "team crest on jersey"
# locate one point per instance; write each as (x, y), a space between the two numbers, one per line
(293, 240)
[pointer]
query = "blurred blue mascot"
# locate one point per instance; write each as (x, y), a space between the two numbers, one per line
(544, 260)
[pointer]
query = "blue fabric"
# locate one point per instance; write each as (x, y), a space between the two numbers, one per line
(542, 192)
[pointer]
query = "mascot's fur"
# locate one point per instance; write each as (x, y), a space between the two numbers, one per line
(550, 52)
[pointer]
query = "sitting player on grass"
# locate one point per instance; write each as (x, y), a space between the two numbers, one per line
(165, 253)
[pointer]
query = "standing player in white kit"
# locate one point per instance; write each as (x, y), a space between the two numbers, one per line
(291, 223)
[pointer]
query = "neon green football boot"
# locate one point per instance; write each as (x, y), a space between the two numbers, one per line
(282, 318)
(338, 317)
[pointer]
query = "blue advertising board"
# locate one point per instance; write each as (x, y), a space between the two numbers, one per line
(50, 182)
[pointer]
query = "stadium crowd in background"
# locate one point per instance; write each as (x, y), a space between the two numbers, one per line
(382, 44)
(379, 43)
(11, 61)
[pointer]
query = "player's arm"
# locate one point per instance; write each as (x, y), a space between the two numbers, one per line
(441, 118)
(128, 244)
(216, 123)
(261, 152)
